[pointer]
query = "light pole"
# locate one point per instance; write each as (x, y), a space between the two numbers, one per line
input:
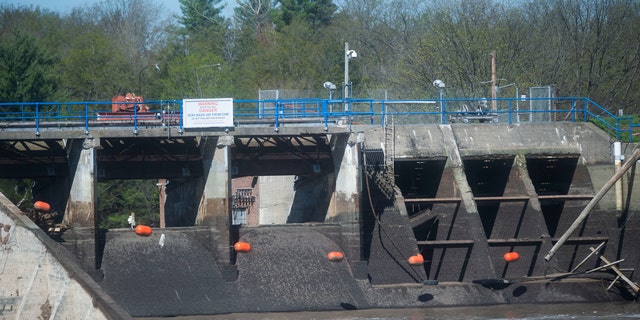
(198, 77)
(348, 54)
(140, 75)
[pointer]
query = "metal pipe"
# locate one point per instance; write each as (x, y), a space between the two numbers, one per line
(617, 154)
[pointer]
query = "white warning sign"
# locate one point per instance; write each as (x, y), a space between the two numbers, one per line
(207, 113)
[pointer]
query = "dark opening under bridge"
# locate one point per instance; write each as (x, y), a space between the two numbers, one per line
(311, 176)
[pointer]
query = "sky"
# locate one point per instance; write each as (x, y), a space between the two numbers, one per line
(64, 6)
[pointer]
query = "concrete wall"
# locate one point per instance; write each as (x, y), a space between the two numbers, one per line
(40, 280)
(481, 139)
(276, 195)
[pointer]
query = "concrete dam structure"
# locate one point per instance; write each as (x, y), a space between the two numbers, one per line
(458, 195)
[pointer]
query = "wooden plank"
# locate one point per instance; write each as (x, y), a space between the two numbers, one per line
(422, 217)
(427, 200)
(502, 198)
(522, 241)
(446, 243)
(567, 197)
(613, 282)
(588, 256)
(583, 240)
(605, 266)
(632, 284)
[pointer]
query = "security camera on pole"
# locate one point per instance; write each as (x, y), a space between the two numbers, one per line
(348, 54)
(440, 85)
(331, 87)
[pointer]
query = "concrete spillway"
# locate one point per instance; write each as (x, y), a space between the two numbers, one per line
(460, 195)
(40, 279)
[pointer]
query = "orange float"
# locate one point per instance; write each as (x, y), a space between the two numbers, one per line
(143, 230)
(335, 256)
(242, 247)
(42, 206)
(511, 256)
(416, 260)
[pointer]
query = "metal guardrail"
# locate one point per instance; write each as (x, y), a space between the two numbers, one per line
(38, 115)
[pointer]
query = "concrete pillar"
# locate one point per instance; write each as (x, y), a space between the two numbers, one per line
(479, 259)
(535, 224)
(345, 204)
(215, 208)
(80, 209)
(80, 212)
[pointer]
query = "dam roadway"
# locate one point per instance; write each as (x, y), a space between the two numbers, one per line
(460, 194)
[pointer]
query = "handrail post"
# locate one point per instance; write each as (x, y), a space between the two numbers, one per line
(180, 128)
(86, 118)
(383, 113)
(37, 118)
(325, 114)
(277, 114)
(135, 118)
(444, 111)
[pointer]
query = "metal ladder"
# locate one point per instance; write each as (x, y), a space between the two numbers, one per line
(378, 163)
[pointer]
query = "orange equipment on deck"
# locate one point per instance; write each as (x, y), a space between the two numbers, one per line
(128, 103)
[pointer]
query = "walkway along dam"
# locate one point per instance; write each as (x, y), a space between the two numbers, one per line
(337, 211)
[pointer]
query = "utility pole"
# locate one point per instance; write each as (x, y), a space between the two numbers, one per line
(493, 81)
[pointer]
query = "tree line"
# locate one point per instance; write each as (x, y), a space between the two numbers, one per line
(580, 47)
(586, 48)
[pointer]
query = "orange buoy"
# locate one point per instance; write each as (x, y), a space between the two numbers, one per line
(242, 247)
(42, 206)
(143, 230)
(335, 256)
(416, 260)
(511, 256)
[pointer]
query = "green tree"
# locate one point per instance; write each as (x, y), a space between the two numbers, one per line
(201, 15)
(252, 17)
(18, 191)
(315, 13)
(26, 70)
(93, 68)
(117, 199)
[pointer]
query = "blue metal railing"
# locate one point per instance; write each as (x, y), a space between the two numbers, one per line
(38, 115)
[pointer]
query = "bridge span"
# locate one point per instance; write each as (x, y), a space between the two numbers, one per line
(460, 195)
